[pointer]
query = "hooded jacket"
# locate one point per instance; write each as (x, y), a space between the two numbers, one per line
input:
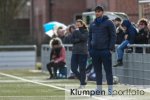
(58, 54)
(131, 31)
(102, 34)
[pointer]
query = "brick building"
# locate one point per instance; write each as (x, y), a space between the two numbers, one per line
(43, 11)
(64, 11)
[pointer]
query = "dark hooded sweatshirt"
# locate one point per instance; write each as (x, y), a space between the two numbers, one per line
(131, 31)
(102, 34)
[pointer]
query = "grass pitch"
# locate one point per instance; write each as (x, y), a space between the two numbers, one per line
(33, 85)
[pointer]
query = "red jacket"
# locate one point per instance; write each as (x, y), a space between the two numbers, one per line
(61, 57)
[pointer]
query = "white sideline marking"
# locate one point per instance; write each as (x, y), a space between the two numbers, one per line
(29, 96)
(19, 78)
(48, 85)
(41, 81)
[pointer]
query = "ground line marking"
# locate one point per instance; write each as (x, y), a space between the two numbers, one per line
(48, 85)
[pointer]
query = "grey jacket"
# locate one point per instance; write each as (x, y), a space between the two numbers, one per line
(79, 40)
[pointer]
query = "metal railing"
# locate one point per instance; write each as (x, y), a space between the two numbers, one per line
(17, 56)
(135, 71)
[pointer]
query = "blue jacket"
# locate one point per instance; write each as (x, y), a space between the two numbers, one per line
(131, 31)
(102, 34)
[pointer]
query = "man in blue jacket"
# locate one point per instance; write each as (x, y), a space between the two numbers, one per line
(130, 35)
(101, 41)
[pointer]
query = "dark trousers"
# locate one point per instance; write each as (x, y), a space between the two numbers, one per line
(55, 66)
(79, 60)
(100, 57)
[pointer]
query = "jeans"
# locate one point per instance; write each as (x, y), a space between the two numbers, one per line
(120, 49)
(100, 57)
(79, 60)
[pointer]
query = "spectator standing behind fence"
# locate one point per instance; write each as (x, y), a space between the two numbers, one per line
(142, 36)
(130, 35)
(148, 49)
(102, 36)
(79, 52)
(149, 32)
(57, 57)
(61, 34)
(69, 31)
(119, 31)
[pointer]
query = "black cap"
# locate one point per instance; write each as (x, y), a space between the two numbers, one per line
(99, 8)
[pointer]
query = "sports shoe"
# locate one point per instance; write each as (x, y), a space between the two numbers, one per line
(118, 64)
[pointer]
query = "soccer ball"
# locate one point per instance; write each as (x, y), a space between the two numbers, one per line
(115, 80)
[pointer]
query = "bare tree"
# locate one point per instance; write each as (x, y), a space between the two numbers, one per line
(9, 10)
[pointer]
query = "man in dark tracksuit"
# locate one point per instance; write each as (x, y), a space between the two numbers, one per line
(101, 41)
